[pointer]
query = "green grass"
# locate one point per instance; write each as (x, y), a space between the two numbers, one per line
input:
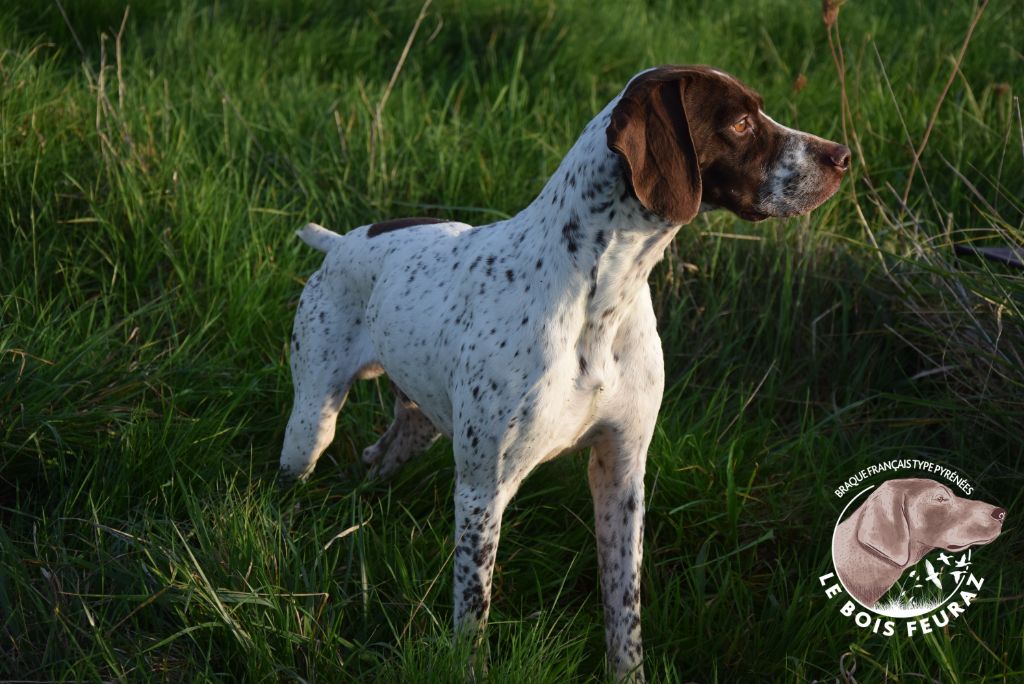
(149, 274)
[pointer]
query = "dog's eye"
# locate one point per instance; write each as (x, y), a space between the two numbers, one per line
(741, 126)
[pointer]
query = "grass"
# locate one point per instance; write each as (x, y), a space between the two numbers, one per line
(152, 172)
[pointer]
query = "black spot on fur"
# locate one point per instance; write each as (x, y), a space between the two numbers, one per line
(571, 233)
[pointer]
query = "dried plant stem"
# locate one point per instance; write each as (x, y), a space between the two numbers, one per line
(830, 16)
(375, 130)
(942, 98)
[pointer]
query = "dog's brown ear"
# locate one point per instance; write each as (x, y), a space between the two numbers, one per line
(650, 130)
(883, 525)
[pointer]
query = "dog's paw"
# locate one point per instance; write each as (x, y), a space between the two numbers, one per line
(376, 457)
(371, 454)
(287, 477)
(382, 469)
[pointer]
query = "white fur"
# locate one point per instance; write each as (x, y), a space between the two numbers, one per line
(796, 178)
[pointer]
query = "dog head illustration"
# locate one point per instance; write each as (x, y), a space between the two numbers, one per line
(904, 519)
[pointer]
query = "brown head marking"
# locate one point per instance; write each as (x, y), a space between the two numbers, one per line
(692, 134)
(650, 129)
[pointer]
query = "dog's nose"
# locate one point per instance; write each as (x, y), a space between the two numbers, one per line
(999, 514)
(838, 156)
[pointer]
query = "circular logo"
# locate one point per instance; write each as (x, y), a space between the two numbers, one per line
(902, 550)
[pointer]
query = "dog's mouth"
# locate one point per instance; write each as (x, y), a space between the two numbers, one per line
(752, 216)
(800, 195)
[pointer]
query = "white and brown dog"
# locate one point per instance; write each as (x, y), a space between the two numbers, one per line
(532, 337)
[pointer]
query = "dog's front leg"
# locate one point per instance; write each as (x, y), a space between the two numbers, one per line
(617, 485)
(478, 511)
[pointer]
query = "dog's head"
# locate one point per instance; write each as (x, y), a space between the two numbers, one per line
(692, 134)
(902, 513)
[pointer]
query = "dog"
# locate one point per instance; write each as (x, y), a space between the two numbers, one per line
(898, 525)
(535, 336)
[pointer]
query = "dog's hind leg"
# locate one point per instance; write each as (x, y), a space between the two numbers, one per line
(329, 351)
(409, 435)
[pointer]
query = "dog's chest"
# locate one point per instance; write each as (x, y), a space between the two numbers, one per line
(484, 336)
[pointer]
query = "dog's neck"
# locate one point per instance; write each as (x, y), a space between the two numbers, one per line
(599, 240)
(588, 202)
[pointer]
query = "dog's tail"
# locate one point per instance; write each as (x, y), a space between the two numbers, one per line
(318, 237)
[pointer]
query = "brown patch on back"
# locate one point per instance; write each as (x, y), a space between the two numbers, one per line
(394, 224)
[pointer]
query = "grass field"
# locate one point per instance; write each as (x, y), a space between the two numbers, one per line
(153, 169)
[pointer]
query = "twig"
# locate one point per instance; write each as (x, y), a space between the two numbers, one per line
(830, 17)
(1020, 125)
(102, 103)
(345, 532)
(942, 98)
(378, 112)
(423, 601)
(749, 400)
(25, 355)
(970, 186)
(117, 57)
(70, 27)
